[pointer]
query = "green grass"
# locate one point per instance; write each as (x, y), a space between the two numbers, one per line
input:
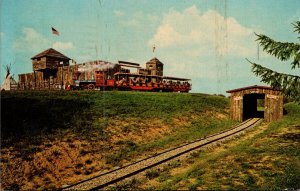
(150, 174)
(193, 132)
(260, 108)
(269, 160)
(35, 113)
(33, 120)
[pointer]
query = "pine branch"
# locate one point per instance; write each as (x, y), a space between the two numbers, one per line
(289, 84)
(297, 27)
(281, 50)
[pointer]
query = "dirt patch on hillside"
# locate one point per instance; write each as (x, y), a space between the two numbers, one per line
(137, 131)
(45, 166)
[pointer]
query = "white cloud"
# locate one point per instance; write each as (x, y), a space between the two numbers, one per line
(63, 45)
(206, 47)
(32, 40)
(211, 30)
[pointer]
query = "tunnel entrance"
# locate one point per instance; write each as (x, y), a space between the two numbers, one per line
(253, 105)
(256, 101)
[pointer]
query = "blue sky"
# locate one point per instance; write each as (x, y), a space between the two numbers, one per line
(205, 40)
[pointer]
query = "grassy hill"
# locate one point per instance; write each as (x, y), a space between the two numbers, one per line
(53, 138)
(265, 158)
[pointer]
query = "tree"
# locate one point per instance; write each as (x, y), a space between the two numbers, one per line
(289, 84)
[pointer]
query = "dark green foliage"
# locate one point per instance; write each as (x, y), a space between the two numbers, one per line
(269, 173)
(164, 176)
(249, 180)
(291, 178)
(281, 50)
(174, 164)
(30, 114)
(150, 174)
(127, 185)
(194, 186)
(290, 84)
(197, 172)
(116, 158)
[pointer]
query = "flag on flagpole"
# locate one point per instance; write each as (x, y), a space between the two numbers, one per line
(153, 48)
(54, 31)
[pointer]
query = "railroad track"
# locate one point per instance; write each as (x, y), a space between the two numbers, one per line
(111, 177)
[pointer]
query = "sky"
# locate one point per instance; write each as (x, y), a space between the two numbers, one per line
(207, 41)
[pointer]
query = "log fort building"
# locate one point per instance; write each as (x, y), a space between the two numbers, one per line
(52, 70)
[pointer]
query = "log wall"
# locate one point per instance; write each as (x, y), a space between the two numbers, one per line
(56, 77)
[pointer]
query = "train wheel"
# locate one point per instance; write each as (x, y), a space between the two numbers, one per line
(91, 87)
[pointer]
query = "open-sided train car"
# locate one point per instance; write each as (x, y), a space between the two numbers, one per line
(123, 79)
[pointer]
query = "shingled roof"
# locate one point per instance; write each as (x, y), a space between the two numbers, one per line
(51, 53)
(252, 87)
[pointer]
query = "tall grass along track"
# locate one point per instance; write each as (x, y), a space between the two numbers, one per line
(103, 180)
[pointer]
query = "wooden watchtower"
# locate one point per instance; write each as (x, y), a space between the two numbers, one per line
(256, 101)
(155, 67)
(47, 64)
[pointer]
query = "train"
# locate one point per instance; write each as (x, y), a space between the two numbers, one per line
(120, 78)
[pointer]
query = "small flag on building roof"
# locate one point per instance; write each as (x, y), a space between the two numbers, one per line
(54, 31)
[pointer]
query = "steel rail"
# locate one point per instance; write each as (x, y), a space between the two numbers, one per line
(105, 179)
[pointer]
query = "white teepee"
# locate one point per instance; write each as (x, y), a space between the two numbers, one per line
(6, 85)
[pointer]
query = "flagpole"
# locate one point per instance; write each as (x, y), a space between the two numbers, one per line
(55, 32)
(153, 49)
